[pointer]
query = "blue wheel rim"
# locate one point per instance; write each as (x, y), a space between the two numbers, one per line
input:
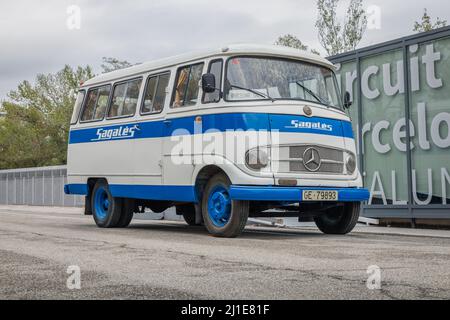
(219, 206)
(101, 203)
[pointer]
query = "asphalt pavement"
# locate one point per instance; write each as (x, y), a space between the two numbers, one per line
(170, 260)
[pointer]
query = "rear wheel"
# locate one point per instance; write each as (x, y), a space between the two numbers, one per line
(222, 216)
(339, 220)
(106, 209)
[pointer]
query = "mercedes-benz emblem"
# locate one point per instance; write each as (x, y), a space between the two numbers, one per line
(311, 159)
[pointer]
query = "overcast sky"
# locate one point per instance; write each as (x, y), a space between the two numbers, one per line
(34, 37)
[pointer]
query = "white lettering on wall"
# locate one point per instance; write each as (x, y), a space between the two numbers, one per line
(365, 129)
(376, 137)
(394, 190)
(399, 133)
(445, 179)
(422, 122)
(399, 87)
(429, 60)
(377, 188)
(430, 188)
(365, 86)
(440, 119)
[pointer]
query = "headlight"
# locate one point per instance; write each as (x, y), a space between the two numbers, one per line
(257, 159)
(350, 164)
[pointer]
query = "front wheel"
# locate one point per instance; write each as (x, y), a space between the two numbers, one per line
(339, 220)
(222, 216)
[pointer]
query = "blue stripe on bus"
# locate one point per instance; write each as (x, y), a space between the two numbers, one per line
(76, 188)
(217, 122)
(173, 193)
(295, 194)
(252, 193)
(149, 192)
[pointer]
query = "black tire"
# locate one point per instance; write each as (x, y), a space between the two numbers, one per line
(238, 210)
(105, 216)
(188, 213)
(127, 213)
(340, 220)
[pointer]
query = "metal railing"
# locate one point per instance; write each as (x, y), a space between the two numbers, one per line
(36, 187)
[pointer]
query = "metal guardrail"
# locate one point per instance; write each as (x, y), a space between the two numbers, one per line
(37, 187)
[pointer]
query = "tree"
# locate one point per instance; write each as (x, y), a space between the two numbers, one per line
(289, 40)
(427, 25)
(334, 36)
(35, 123)
(111, 64)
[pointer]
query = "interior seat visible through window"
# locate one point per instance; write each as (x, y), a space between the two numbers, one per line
(187, 85)
(96, 103)
(125, 99)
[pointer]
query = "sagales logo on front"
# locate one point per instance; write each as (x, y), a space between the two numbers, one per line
(298, 124)
(122, 132)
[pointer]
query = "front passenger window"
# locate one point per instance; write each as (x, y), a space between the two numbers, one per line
(187, 85)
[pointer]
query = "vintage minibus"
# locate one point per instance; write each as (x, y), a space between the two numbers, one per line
(222, 135)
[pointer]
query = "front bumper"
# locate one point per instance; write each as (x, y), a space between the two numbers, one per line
(293, 194)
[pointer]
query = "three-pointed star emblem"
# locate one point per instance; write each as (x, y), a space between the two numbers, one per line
(311, 159)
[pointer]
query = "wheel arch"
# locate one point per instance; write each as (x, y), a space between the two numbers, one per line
(87, 199)
(203, 175)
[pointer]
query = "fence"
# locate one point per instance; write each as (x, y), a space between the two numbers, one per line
(36, 186)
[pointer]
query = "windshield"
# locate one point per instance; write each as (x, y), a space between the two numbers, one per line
(255, 78)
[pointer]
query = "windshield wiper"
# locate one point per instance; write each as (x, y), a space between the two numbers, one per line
(312, 93)
(264, 95)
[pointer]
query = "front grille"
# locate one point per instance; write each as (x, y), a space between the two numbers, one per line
(291, 159)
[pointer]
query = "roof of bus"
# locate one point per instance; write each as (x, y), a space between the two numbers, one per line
(229, 50)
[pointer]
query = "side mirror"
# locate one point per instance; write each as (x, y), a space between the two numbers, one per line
(209, 83)
(347, 100)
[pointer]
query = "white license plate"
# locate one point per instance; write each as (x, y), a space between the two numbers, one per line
(316, 195)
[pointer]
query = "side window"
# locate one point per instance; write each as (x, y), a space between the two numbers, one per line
(96, 103)
(187, 85)
(77, 107)
(125, 99)
(215, 67)
(155, 93)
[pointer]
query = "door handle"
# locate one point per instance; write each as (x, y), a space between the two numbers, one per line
(167, 122)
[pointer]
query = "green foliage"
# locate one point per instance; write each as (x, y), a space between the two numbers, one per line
(34, 128)
(289, 40)
(427, 25)
(111, 64)
(334, 36)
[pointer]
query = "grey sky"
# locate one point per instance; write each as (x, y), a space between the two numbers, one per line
(34, 37)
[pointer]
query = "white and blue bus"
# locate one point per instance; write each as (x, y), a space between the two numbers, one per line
(221, 135)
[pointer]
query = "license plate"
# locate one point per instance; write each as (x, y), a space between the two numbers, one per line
(316, 195)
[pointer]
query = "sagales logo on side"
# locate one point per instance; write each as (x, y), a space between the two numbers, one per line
(317, 125)
(122, 132)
